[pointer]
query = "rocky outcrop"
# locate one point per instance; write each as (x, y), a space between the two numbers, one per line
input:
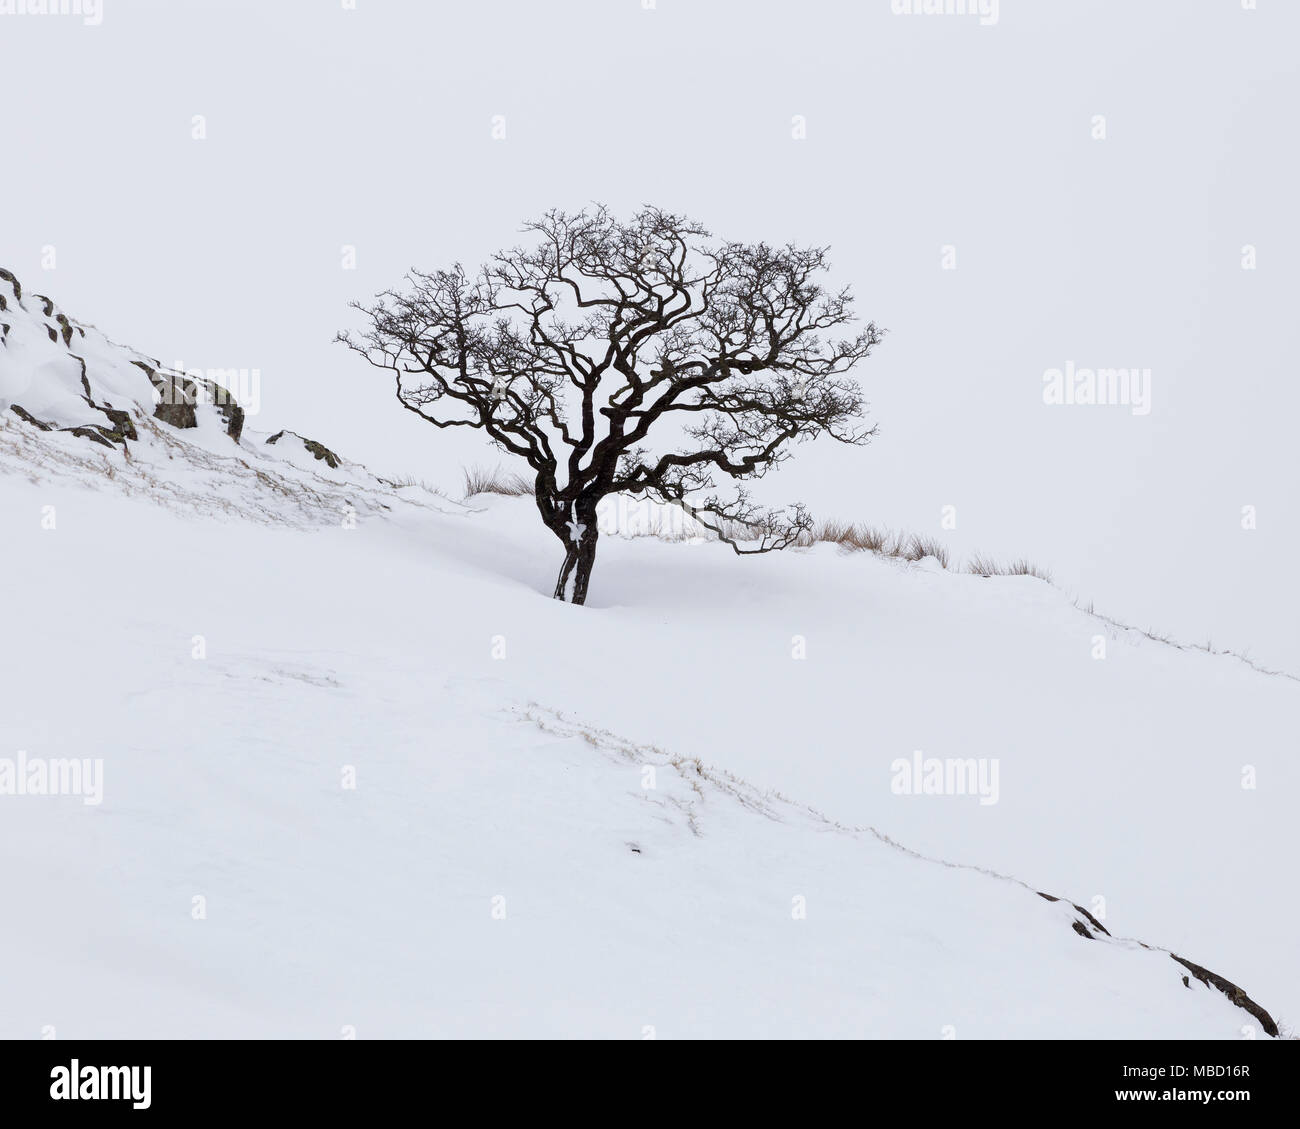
(108, 437)
(319, 450)
(231, 413)
(14, 285)
(175, 397)
(1088, 926)
(178, 398)
(184, 438)
(1229, 989)
(1080, 927)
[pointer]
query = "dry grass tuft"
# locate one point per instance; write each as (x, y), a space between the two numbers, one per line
(919, 548)
(409, 481)
(912, 547)
(980, 565)
(496, 481)
(879, 541)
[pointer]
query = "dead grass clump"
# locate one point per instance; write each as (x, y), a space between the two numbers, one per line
(980, 565)
(496, 481)
(919, 548)
(879, 541)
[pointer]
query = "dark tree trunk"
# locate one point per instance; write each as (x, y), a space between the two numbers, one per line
(579, 537)
(566, 570)
(586, 558)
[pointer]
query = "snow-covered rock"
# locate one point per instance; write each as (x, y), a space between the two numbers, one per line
(76, 406)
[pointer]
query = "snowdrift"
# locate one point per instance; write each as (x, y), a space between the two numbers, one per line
(359, 772)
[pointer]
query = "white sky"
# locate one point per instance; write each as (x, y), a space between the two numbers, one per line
(373, 128)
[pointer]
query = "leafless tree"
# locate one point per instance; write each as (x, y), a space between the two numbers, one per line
(568, 353)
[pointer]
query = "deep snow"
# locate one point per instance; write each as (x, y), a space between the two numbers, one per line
(240, 632)
(626, 907)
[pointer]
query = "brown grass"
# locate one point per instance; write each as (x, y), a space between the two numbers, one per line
(495, 481)
(980, 565)
(879, 541)
(883, 542)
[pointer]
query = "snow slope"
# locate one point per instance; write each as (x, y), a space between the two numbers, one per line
(59, 377)
(573, 821)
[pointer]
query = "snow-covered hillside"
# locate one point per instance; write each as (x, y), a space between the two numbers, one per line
(74, 406)
(359, 771)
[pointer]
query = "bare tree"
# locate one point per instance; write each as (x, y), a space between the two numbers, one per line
(568, 353)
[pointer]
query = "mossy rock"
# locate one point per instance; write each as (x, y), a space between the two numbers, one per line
(9, 277)
(228, 406)
(107, 437)
(177, 397)
(319, 450)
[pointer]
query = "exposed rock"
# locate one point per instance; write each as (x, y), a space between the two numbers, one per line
(121, 420)
(85, 379)
(1204, 975)
(1079, 926)
(229, 408)
(1229, 989)
(27, 417)
(319, 450)
(234, 420)
(120, 398)
(96, 434)
(93, 432)
(176, 397)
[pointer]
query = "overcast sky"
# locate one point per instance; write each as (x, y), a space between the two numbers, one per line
(328, 127)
